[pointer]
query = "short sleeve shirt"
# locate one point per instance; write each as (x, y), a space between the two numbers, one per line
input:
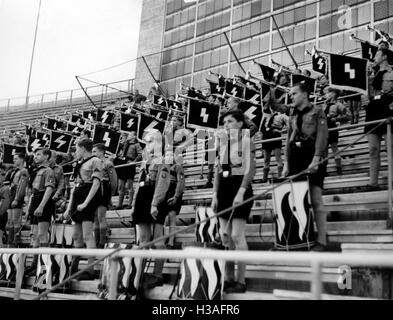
(19, 175)
(45, 178)
(91, 169)
(107, 169)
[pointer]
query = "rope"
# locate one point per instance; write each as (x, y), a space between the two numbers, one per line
(255, 197)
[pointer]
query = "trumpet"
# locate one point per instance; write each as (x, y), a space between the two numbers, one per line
(211, 73)
(282, 67)
(355, 38)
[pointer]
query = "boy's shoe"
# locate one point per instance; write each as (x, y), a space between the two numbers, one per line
(237, 288)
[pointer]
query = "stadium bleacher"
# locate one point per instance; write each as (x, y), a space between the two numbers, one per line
(357, 222)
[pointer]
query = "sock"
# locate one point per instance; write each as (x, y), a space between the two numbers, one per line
(102, 242)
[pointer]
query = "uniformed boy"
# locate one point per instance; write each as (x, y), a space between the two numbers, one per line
(85, 199)
(108, 189)
(59, 178)
(168, 194)
(380, 107)
(19, 178)
(41, 207)
(4, 204)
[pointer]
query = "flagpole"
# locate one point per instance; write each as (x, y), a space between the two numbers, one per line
(32, 54)
(285, 44)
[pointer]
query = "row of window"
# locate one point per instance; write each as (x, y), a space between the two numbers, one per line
(213, 23)
(383, 9)
(179, 19)
(210, 7)
(179, 35)
(334, 23)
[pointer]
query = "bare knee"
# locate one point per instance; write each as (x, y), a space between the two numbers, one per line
(238, 238)
(374, 151)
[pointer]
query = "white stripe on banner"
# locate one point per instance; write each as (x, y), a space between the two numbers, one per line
(208, 265)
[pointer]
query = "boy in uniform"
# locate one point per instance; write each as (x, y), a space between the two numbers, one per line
(108, 188)
(41, 207)
(85, 199)
(19, 178)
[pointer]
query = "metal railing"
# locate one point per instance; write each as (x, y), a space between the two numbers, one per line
(315, 259)
(68, 97)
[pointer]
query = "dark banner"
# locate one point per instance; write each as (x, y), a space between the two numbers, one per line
(10, 151)
(60, 142)
(203, 115)
(107, 136)
(129, 122)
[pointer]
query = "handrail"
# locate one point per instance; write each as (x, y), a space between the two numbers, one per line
(72, 94)
(376, 259)
(314, 259)
(316, 266)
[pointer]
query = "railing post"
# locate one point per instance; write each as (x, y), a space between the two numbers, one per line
(71, 93)
(316, 281)
(8, 105)
(42, 101)
(113, 278)
(57, 94)
(19, 276)
(390, 170)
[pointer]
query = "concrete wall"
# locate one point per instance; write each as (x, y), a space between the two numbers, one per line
(150, 41)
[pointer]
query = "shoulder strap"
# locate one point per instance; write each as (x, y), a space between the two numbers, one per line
(79, 166)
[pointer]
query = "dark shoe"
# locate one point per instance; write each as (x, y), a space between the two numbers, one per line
(119, 207)
(318, 247)
(237, 288)
(228, 284)
(151, 281)
(129, 207)
(371, 188)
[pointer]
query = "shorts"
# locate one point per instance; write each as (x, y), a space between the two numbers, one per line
(270, 146)
(333, 137)
(142, 207)
(3, 221)
(125, 173)
(299, 159)
(106, 194)
(80, 194)
(164, 208)
(226, 193)
(12, 198)
(47, 214)
(377, 110)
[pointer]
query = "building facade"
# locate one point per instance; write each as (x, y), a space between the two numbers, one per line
(192, 41)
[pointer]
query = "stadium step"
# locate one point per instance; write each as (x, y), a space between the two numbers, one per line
(299, 295)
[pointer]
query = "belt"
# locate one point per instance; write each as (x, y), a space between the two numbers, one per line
(84, 184)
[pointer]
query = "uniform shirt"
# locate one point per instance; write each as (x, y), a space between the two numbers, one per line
(314, 126)
(44, 178)
(149, 171)
(107, 169)
(241, 162)
(90, 170)
(280, 120)
(335, 112)
(132, 151)
(168, 174)
(387, 83)
(19, 183)
(59, 179)
(4, 199)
